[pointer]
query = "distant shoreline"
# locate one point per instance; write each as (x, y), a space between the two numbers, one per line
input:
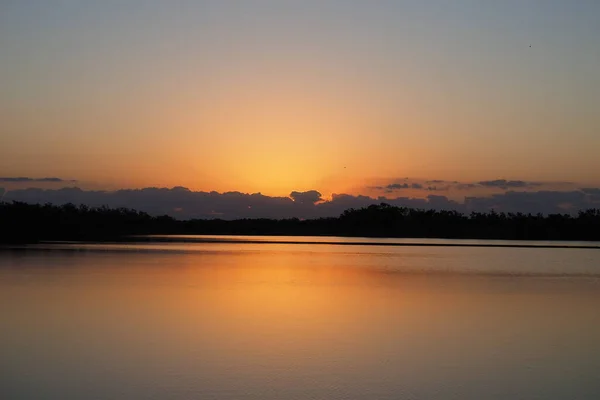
(247, 239)
(367, 243)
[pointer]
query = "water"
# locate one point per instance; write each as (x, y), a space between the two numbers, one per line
(298, 321)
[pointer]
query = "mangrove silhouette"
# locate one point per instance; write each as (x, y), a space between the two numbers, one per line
(31, 223)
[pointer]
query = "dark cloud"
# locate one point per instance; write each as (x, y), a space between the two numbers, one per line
(504, 184)
(466, 186)
(593, 195)
(545, 202)
(310, 197)
(53, 180)
(443, 185)
(183, 203)
(179, 201)
(437, 188)
(17, 179)
(593, 191)
(21, 179)
(442, 203)
(399, 186)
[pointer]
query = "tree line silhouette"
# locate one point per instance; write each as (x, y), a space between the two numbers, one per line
(30, 223)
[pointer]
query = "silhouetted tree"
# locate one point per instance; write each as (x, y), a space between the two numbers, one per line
(27, 223)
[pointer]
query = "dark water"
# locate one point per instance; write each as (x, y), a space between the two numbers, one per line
(279, 321)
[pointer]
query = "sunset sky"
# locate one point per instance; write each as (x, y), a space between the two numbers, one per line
(275, 96)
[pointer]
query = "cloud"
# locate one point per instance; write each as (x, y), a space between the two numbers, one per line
(545, 202)
(466, 186)
(437, 188)
(400, 186)
(593, 195)
(312, 196)
(504, 184)
(397, 186)
(444, 185)
(183, 203)
(593, 191)
(53, 180)
(21, 179)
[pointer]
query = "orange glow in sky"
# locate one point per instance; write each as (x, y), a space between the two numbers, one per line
(265, 98)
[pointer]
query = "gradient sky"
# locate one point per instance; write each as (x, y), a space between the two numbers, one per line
(275, 96)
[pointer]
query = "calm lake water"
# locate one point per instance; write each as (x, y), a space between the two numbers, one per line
(298, 321)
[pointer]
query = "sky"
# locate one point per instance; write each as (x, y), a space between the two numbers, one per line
(271, 96)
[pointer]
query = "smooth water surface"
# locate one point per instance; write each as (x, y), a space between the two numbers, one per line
(281, 321)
